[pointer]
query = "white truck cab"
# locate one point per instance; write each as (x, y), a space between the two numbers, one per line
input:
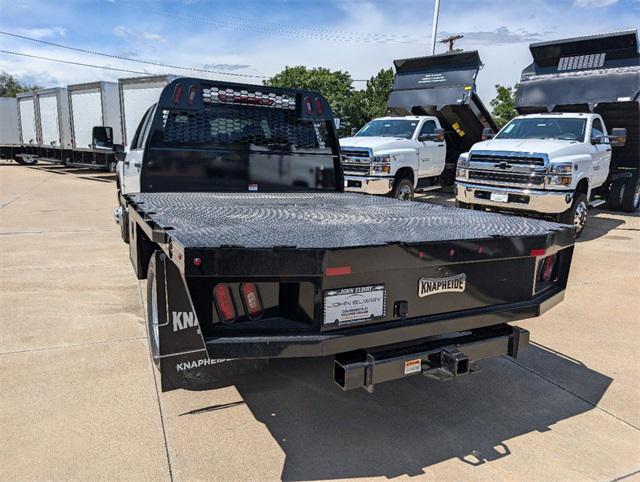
(539, 163)
(394, 155)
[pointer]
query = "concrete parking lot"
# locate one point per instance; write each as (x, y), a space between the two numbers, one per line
(79, 396)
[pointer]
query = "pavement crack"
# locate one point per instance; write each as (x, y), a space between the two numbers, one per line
(626, 476)
(72, 345)
(515, 362)
(28, 191)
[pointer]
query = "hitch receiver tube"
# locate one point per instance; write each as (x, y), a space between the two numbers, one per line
(441, 358)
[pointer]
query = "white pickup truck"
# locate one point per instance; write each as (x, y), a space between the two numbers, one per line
(394, 155)
(540, 163)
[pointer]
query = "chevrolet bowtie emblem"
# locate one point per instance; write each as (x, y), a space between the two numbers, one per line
(502, 165)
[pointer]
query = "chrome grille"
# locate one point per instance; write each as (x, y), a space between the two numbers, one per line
(355, 168)
(513, 160)
(506, 177)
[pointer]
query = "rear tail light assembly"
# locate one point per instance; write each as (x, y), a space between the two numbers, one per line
(251, 300)
(548, 268)
(191, 96)
(224, 303)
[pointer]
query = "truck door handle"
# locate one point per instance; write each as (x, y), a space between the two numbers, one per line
(126, 163)
(137, 164)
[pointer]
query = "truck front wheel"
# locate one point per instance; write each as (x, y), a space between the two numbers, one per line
(576, 214)
(402, 189)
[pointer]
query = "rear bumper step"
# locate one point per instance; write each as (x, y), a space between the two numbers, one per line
(442, 358)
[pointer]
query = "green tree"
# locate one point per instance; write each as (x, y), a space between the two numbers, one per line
(504, 104)
(10, 86)
(370, 102)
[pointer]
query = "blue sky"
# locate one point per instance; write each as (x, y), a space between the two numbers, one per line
(261, 37)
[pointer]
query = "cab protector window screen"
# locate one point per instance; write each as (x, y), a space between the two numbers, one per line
(241, 126)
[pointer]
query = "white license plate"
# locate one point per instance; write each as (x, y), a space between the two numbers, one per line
(350, 305)
(500, 197)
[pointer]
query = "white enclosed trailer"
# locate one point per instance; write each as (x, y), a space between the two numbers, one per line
(93, 104)
(137, 94)
(53, 122)
(28, 115)
(9, 131)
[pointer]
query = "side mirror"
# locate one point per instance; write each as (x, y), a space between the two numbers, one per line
(487, 133)
(102, 137)
(618, 137)
(436, 136)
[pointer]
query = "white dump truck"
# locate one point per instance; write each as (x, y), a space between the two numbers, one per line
(577, 142)
(435, 116)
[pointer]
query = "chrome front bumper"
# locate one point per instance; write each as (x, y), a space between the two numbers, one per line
(546, 202)
(368, 185)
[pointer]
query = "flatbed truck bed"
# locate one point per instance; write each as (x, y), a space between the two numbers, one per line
(251, 251)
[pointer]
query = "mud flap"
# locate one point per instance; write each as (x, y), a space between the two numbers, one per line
(176, 342)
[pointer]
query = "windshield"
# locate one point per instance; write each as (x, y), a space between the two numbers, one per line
(542, 128)
(389, 128)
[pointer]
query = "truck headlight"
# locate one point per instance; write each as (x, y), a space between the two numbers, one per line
(463, 161)
(562, 168)
(382, 164)
(382, 168)
(560, 174)
(384, 158)
(462, 173)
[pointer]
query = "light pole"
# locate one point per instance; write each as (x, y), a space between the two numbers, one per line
(434, 28)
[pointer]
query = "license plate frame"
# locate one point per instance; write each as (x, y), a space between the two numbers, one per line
(499, 197)
(358, 304)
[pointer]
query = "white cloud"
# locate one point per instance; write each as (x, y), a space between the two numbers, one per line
(131, 34)
(594, 3)
(40, 33)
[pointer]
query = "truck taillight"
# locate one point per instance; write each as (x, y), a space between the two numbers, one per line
(251, 299)
(177, 94)
(548, 267)
(319, 106)
(224, 303)
(191, 96)
(308, 105)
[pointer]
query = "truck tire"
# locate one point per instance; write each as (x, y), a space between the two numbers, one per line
(614, 199)
(576, 214)
(402, 189)
(631, 194)
(155, 303)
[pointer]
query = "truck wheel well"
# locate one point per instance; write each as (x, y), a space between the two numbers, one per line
(582, 187)
(405, 173)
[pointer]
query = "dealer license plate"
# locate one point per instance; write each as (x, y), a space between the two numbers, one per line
(351, 305)
(501, 197)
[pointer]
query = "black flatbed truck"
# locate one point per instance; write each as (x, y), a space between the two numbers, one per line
(245, 261)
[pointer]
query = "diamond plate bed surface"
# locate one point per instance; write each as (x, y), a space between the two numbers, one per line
(321, 220)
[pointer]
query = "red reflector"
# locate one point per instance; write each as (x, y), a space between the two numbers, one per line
(338, 271)
(537, 252)
(193, 91)
(177, 94)
(224, 303)
(547, 268)
(319, 106)
(308, 105)
(197, 262)
(251, 299)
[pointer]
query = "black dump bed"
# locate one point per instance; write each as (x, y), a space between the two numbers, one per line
(444, 86)
(599, 74)
(322, 221)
